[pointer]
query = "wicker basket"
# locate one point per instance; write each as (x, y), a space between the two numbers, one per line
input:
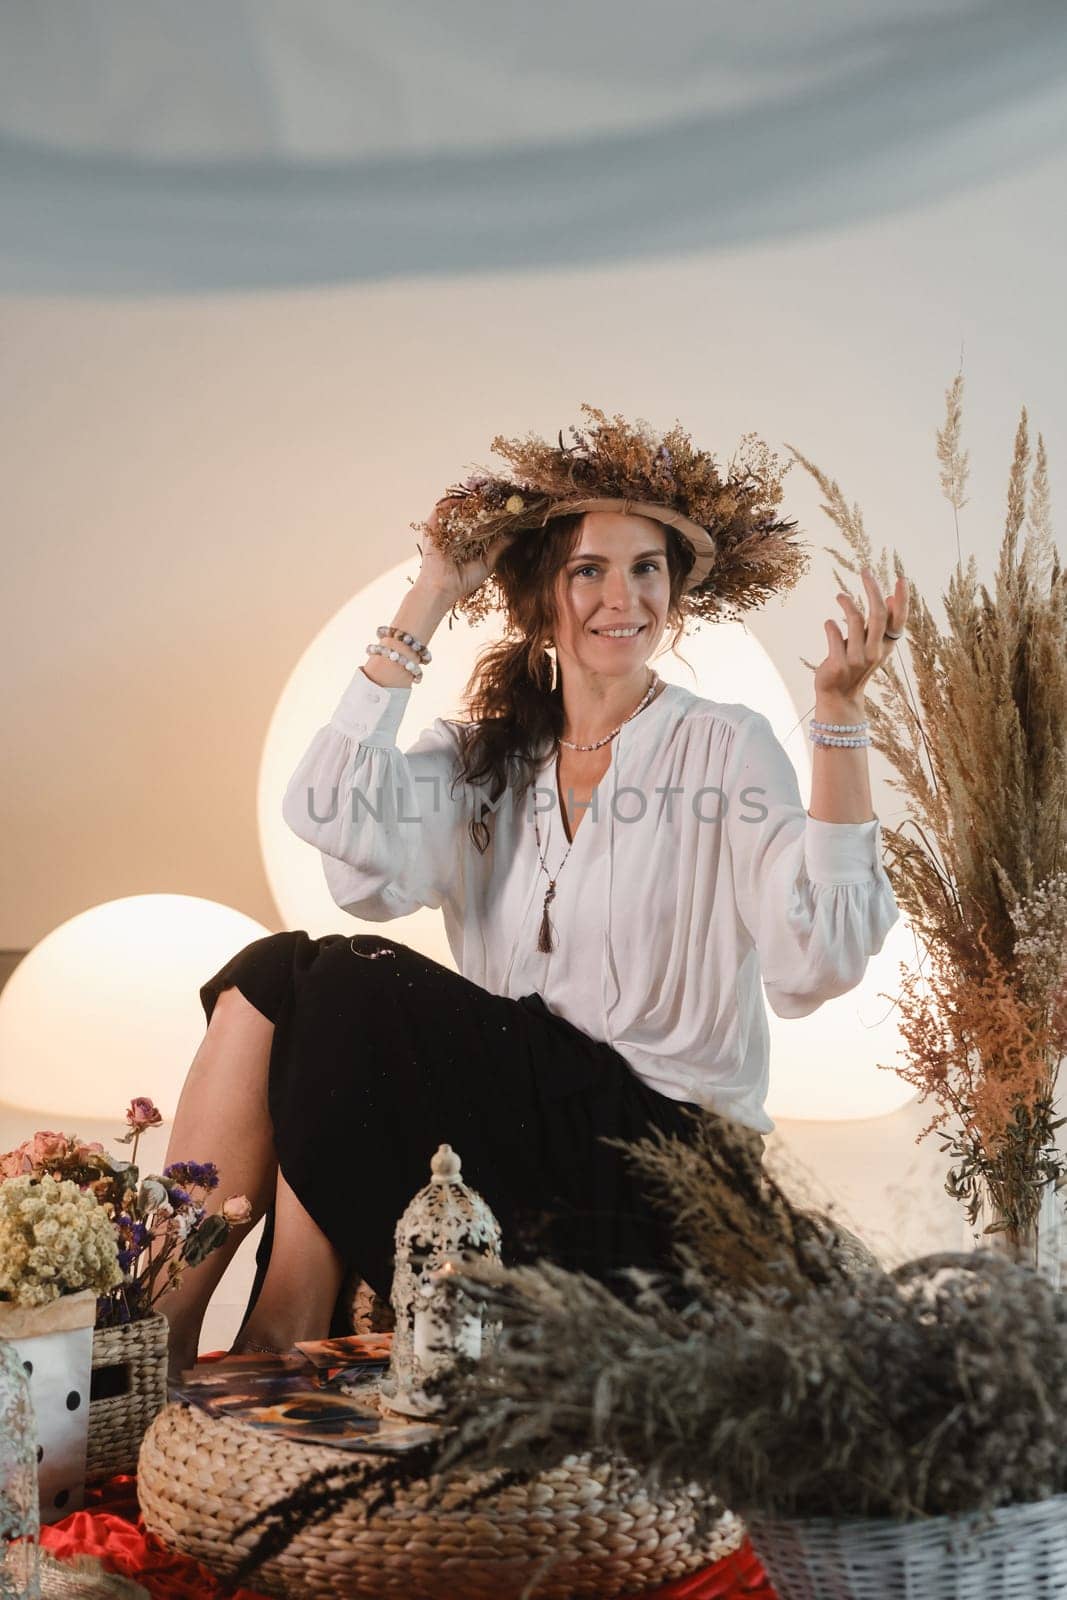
(559, 1537)
(129, 1388)
(1016, 1553)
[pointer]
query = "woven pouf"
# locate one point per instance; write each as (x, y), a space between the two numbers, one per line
(560, 1536)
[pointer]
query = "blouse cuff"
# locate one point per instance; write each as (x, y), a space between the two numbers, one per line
(842, 852)
(371, 712)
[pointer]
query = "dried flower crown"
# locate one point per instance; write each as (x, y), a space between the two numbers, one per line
(742, 551)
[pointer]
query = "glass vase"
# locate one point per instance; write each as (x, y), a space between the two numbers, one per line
(1041, 1245)
(19, 1514)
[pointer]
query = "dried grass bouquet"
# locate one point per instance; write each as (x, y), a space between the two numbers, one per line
(979, 865)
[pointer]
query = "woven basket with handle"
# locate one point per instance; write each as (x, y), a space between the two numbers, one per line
(1016, 1553)
(129, 1388)
(201, 1476)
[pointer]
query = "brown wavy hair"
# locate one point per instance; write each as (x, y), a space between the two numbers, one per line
(516, 712)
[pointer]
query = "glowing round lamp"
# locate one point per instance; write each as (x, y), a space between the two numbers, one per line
(107, 1005)
(824, 1066)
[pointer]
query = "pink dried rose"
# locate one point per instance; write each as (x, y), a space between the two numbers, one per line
(46, 1151)
(237, 1210)
(16, 1163)
(45, 1147)
(142, 1114)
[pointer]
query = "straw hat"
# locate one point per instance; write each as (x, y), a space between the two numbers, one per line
(741, 551)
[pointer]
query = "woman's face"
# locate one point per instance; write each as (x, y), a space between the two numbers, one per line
(615, 577)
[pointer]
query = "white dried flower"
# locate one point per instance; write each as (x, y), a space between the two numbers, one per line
(54, 1240)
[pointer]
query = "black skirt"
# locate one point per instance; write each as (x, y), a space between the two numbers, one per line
(381, 1054)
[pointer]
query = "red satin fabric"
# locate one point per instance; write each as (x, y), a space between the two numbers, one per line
(112, 1531)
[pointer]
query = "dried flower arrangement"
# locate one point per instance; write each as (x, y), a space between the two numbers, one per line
(979, 747)
(54, 1240)
(774, 1370)
(151, 1229)
(756, 555)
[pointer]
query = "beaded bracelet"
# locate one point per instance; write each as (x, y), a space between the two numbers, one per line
(394, 655)
(843, 735)
(406, 638)
(829, 741)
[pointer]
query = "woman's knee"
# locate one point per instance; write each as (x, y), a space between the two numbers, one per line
(235, 1015)
(263, 970)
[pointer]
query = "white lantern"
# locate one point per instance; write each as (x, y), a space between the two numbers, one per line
(446, 1227)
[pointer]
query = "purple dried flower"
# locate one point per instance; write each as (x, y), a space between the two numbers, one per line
(194, 1174)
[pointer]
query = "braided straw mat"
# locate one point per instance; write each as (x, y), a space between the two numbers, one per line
(557, 1537)
(83, 1578)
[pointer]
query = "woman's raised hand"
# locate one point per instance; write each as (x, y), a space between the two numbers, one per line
(852, 661)
(456, 579)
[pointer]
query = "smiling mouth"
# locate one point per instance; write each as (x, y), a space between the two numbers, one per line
(606, 632)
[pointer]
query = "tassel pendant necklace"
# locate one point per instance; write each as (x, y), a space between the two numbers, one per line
(546, 937)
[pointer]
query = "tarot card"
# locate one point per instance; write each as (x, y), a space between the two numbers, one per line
(254, 1363)
(314, 1416)
(236, 1391)
(353, 1350)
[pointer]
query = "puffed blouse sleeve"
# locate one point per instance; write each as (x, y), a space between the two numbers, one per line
(814, 895)
(387, 822)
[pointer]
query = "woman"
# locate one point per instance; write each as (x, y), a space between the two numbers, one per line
(619, 863)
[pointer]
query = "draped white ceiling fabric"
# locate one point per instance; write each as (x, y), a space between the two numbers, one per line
(256, 144)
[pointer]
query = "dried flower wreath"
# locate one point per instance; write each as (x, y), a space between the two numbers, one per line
(742, 552)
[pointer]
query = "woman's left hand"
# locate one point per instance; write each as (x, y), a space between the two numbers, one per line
(842, 677)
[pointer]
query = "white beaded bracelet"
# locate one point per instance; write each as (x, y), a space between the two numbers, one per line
(394, 655)
(844, 735)
(839, 739)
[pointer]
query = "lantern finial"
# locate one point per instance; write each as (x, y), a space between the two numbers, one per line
(445, 1165)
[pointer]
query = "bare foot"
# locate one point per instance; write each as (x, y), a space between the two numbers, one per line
(181, 1355)
(245, 1347)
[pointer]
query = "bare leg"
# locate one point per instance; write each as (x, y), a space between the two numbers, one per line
(223, 1117)
(302, 1281)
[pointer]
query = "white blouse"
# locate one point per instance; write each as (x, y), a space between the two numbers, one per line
(695, 872)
